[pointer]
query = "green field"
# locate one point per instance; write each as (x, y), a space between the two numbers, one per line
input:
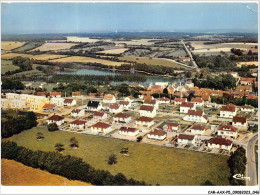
(28, 46)
(34, 71)
(153, 164)
(7, 65)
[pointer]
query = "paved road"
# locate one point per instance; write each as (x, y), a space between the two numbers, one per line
(251, 165)
(189, 53)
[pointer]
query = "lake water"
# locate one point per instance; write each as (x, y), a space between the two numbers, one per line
(150, 79)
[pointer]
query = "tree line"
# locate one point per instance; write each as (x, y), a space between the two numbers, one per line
(12, 84)
(71, 167)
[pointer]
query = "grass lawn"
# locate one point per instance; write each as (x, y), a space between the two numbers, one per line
(153, 164)
(7, 65)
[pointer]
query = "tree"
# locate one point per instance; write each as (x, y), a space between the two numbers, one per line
(39, 136)
(74, 142)
(59, 147)
(53, 127)
(112, 159)
(139, 138)
(191, 95)
(165, 91)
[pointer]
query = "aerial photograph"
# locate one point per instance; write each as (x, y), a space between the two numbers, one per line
(129, 94)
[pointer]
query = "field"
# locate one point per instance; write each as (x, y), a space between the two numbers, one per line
(114, 51)
(9, 45)
(54, 46)
(28, 46)
(12, 55)
(34, 71)
(239, 64)
(82, 59)
(36, 57)
(16, 174)
(153, 164)
(7, 65)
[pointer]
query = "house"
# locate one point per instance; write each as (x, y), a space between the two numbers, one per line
(77, 113)
(122, 118)
(157, 134)
(239, 122)
(78, 124)
(94, 106)
(197, 101)
(5, 103)
(49, 108)
(125, 104)
(148, 111)
(228, 111)
(70, 102)
(196, 116)
(247, 80)
(35, 106)
(164, 100)
(18, 104)
(12, 96)
(206, 98)
(178, 101)
(55, 94)
(197, 129)
(173, 127)
(153, 103)
(108, 98)
(58, 101)
(115, 108)
(186, 106)
(99, 116)
(220, 143)
(34, 98)
(156, 89)
(148, 97)
(76, 94)
(163, 84)
(41, 93)
(59, 120)
(144, 121)
(129, 99)
(227, 131)
(186, 139)
(128, 131)
(247, 109)
(101, 128)
(184, 59)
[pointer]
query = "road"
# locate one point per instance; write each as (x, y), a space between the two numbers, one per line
(189, 53)
(251, 165)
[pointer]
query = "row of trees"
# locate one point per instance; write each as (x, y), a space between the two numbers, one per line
(71, 167)
(12, 84)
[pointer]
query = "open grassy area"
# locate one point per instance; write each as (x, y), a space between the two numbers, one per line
(12, 55)
(54, 46)
(16, 174)
(9, 45)
(34, 71)
(7, 65)
(28, 46)
(153, 164)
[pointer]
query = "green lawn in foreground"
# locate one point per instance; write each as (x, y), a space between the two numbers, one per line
(153, 164)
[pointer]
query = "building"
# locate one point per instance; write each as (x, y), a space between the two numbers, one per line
(115, 108)
(101, 128)
(239, 122)
(125, 104)
(70, 102)
(196, 116)
(12, 96)
(164, 100)
(197, 129)
(5, 103)
(122, 118)
(228, 111)
(220, 143)
(108, 98)
(144, 121)
(147, 97)
(77, 113)
(78, 124)
(94, 106)
(76, 94)
(247, 109)
(173, 126)
(49, 108)
(156, 89)
(41, 93)
(186, 139)
(128, 131)
(59, 120)
(55, 94)
(58, 101)
(197, 101)
(157, 134)
(186, 106)
(99, 116)
(227, 131)
(17, 104)
(147, 111)
(36, 106)
(129, 99)
(153, 103)
(247, 80)
(178, 101)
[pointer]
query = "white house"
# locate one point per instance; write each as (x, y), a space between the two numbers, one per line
(94, 106)
(164, 100)
(247, 109)
(115, 108)
(101, 128)
(128, 131)
(220, 143)
(5, 103)
(122, 118)
(59, 120)
(125, 104)
(228, 111)
(178, 101)
(186, 106)
(197, 101)
(49, 108)
(239, 122)
(78, 124)
(58, 101)
(173, 126)
(227, 131)
(70, 102)
(153, 103)
(196, 116)
(148, 111)
(55, 94)
(19, 104)
(12, 96)
(186, 139)
(129, 99)
(197, 129)
(157, 134)
(108, 98)
(100, 116)
(77, 113)
(144, 121)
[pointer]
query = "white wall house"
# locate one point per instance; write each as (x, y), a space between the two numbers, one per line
(101, 128)
(186, 106)
(94, 106)
(128, 131)
(196, 116)
(70, 102)
(227, 131)
(197, 130)
(77, 113)
(153, 103)
(57, 101)
(148, 111)
(122, 118)
(59, 120)
(115, 108)
(78, 124)
(55, 94)
(157, 134)
(18, 104)
(5, 103)
(100, 116)
(144, 121)
(129, 99)
(197, 101)
(247, 109)
(220, 143)
(108, 98)
(125, 104)
(239, 122)
(49, 108)
(178, 101)
(12, 96)
(164, 100)
(228, 111)
(185, 139)
(173, 127)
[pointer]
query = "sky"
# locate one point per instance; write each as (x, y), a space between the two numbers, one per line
(34, 18)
